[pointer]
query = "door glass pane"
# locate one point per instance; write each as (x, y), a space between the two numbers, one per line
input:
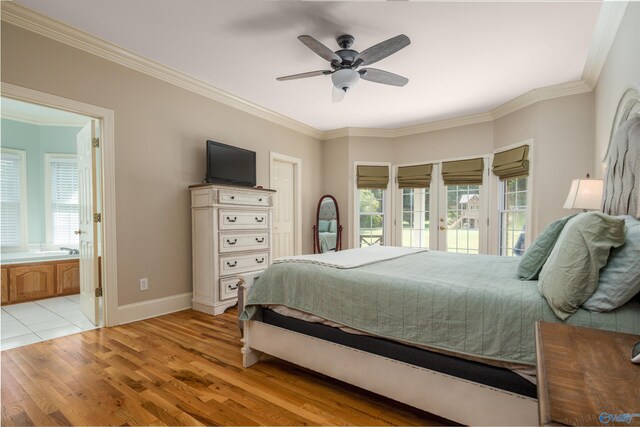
(371, 217)
(415, 217)
(513, 216)
(463, 216)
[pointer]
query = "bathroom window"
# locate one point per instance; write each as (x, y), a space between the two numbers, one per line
(61, 203)
(13, 209)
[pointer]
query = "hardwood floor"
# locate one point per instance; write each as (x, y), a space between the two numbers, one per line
(180, 369)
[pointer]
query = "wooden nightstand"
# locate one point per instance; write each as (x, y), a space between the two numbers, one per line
(585, 376)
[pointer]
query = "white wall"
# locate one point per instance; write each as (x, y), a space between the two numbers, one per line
(621, 69)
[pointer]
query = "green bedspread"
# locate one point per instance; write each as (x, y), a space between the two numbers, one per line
(469, 304)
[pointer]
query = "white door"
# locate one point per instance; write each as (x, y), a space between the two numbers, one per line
(283, 181)
(88, 231)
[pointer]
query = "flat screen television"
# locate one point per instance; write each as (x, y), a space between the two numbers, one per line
(230, 165)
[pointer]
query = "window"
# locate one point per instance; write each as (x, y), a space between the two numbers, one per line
(62, 199)
(13, 207)
(371, 217)
(463, 218)
(513, 216)
(415, 217)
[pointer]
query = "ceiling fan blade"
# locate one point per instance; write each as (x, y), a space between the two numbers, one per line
(320, 49)
(305, 75)
(338, 94)
(384, 77)
(383, 49)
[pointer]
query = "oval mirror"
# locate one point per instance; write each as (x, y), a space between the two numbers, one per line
(327, 232)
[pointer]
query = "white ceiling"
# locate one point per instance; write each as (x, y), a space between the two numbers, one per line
(464, 58)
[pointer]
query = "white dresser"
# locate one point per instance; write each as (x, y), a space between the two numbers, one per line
(231, 234)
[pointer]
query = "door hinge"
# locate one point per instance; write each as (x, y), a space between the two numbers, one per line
(95, 142)
(487, 222)
(98, 292)
(97, 217)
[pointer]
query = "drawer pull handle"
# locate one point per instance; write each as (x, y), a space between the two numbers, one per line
(260, 261)
(232, 243)
(260, 240)
(233, 197)
(233, 287)
(235, 218)
(259, 219)
(259, 200)
(232, 265)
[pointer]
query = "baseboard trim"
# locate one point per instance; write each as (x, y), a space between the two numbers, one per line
(156, 307)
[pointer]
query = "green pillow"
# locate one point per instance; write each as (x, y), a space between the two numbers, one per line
(570, 275)
(535, 256)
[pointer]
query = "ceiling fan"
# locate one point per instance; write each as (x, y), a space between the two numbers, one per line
(345, 63)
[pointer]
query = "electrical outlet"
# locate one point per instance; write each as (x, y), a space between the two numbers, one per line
(144, 284)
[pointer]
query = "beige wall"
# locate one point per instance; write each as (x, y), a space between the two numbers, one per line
(561, 128)
(335, 160)
(621, 69)
(160, 133)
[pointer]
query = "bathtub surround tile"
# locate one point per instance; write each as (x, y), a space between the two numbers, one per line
(13, 329)
(19, 341)
(58, 332)
(49, 324)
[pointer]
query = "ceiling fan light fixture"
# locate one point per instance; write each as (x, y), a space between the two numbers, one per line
(345, 79)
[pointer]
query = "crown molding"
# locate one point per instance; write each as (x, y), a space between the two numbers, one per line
(28, 19)
(604, 34)
(540, 94)
(606, 28)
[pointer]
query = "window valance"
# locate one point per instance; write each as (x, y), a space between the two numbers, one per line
(463, 172)
(418, 176)
(372, 176)
(511, 163)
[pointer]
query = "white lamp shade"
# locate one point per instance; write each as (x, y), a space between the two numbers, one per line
(585, 194)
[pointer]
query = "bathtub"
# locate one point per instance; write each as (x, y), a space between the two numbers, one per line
(37, 256)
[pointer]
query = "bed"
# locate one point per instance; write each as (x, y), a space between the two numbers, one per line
(447, 333)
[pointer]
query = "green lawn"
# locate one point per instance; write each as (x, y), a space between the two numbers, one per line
(466, 239)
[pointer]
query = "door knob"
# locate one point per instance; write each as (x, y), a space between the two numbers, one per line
(441, 219)
(442, 227)
(78, 232)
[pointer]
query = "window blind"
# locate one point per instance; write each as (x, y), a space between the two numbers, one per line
(418, 176)
(463, 172)
(372, 176)
(64, 200)
(11, 165)
(511, 163)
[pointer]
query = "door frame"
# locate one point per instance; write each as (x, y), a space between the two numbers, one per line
(107, 140)
(297, 187)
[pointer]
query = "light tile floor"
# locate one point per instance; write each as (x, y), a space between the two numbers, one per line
(36, 321)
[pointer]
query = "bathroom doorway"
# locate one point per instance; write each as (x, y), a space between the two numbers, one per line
(51, 241)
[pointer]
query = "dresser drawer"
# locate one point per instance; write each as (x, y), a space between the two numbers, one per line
(229, 197)
(237, 220)
(229, 287)
(236, 241)
(233, 264)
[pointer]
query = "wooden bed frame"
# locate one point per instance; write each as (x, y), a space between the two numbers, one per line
(450, 397)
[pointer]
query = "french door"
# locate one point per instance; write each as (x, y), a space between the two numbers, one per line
(450, 218)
